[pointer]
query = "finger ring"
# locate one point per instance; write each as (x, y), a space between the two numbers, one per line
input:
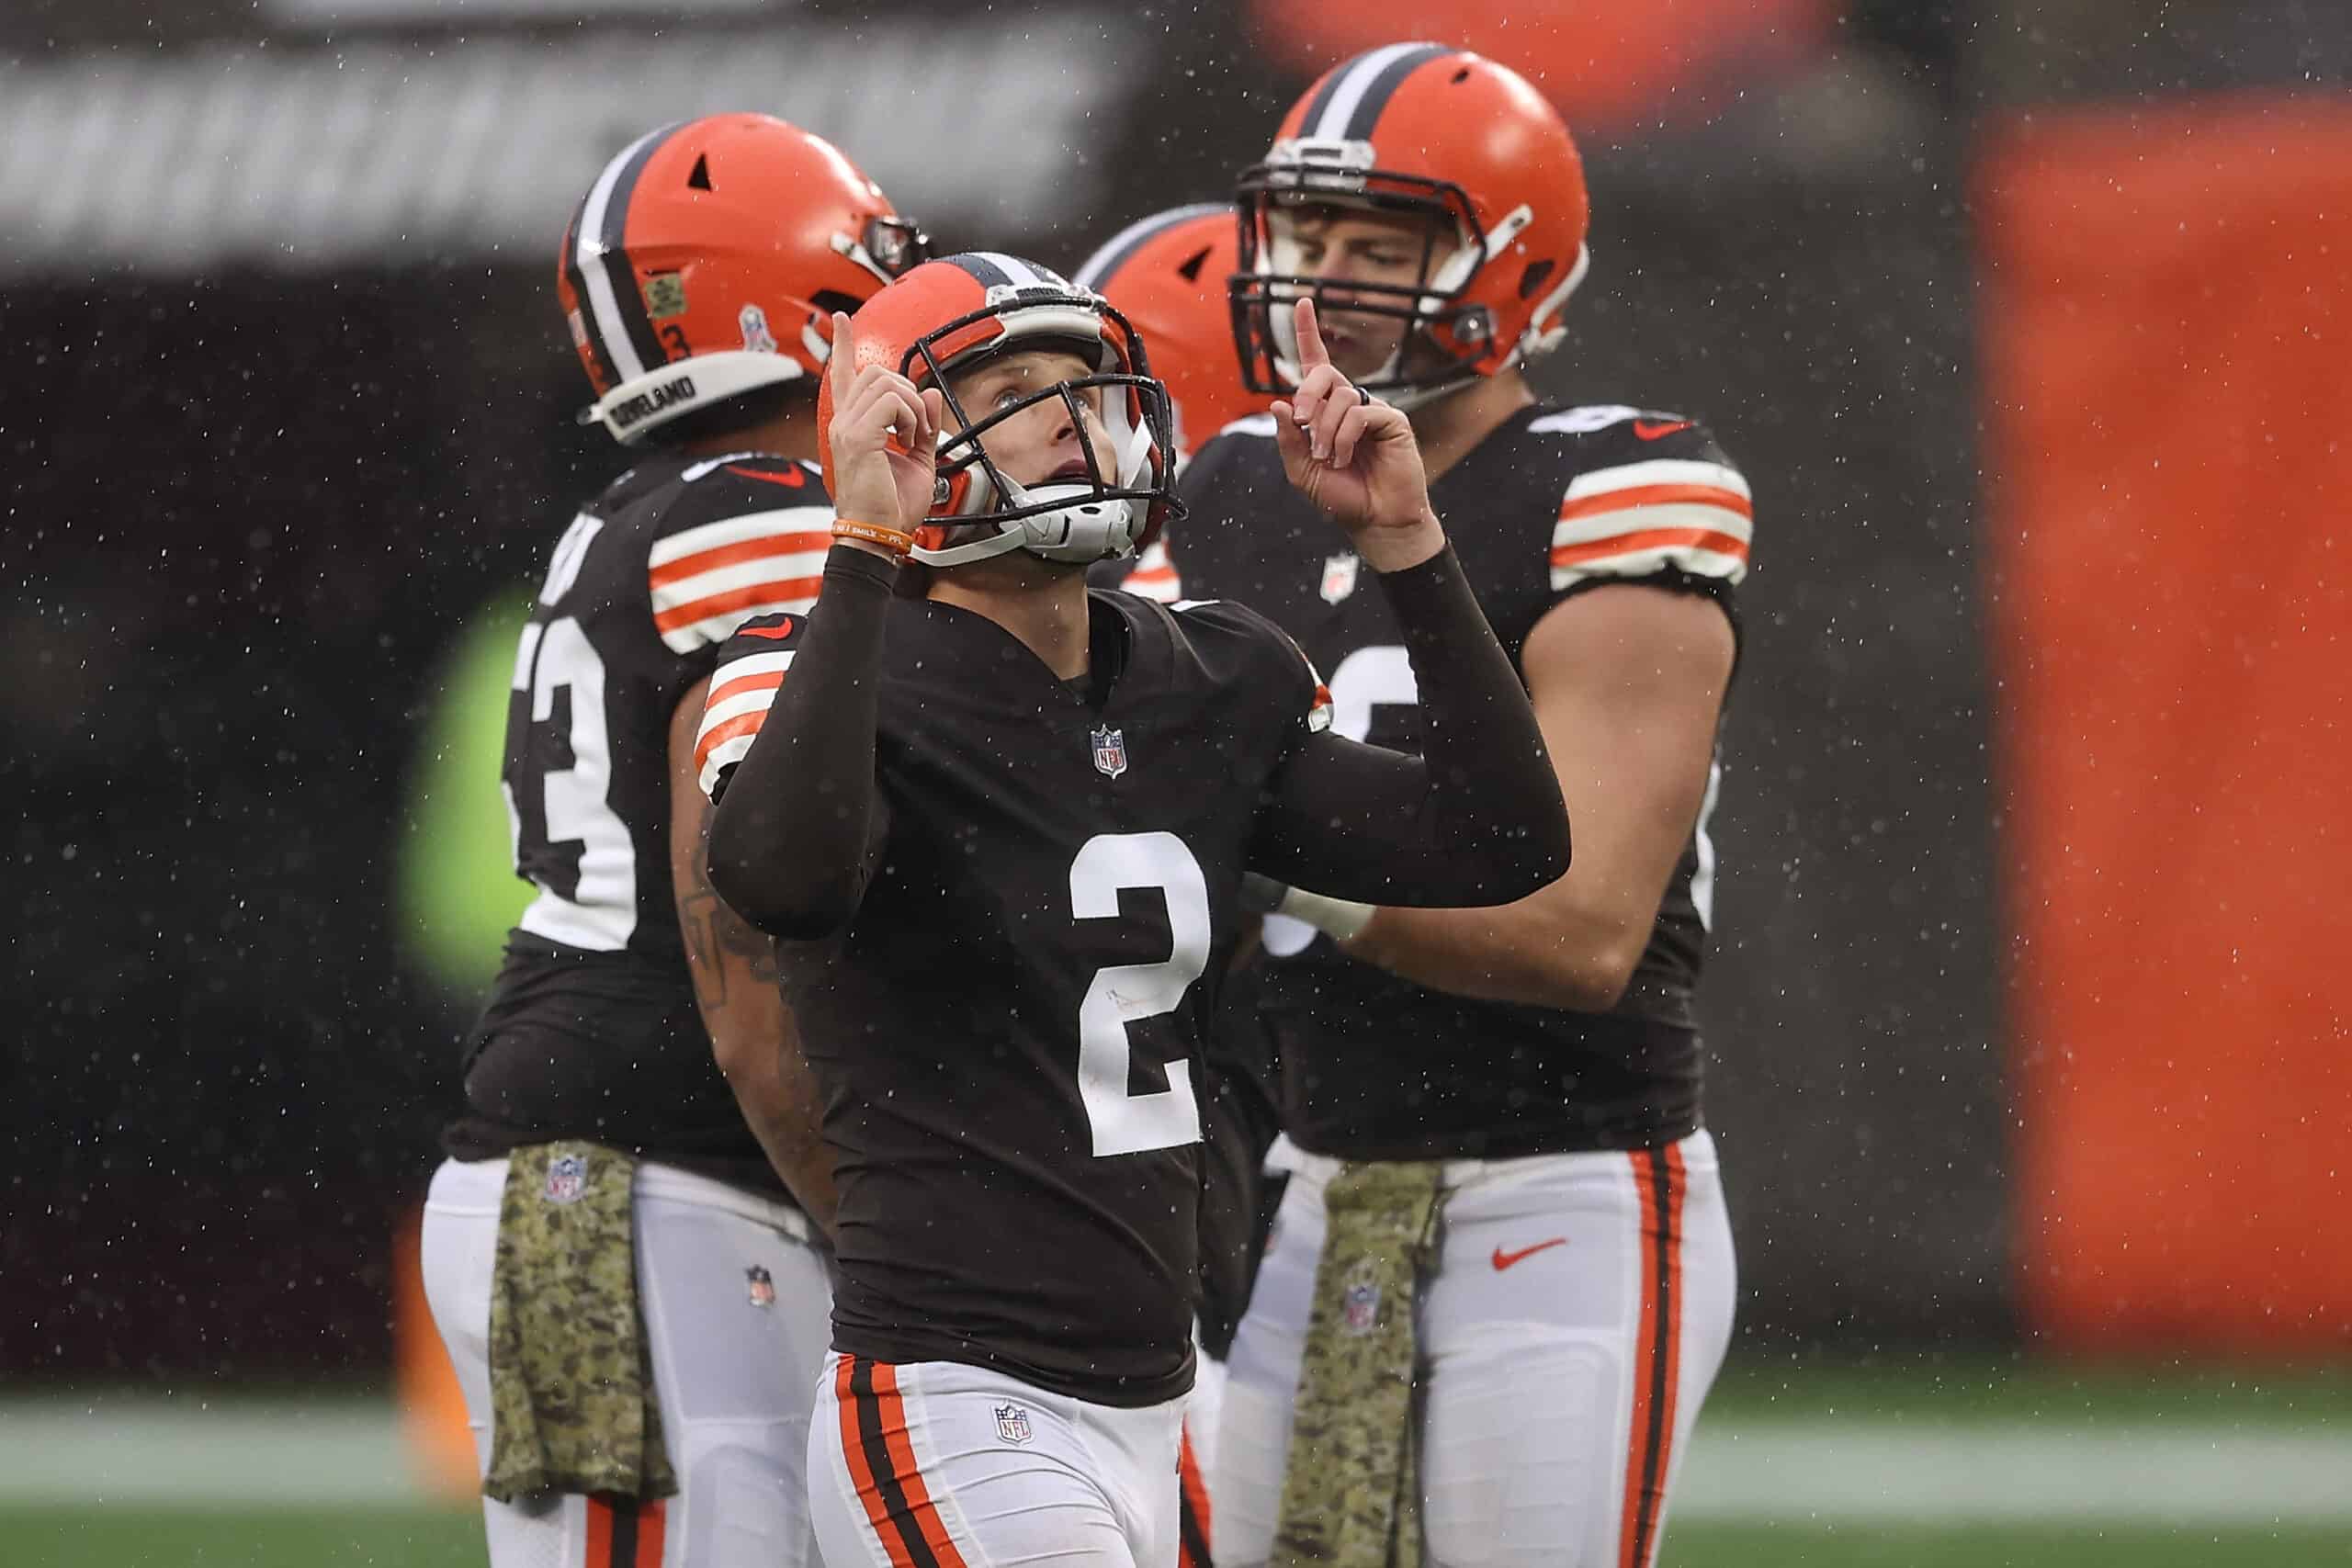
(1363, 398)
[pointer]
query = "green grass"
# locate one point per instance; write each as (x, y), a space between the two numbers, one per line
(121, 1537)
(2011, 1546)
(276, 1537)
(1988, 1387)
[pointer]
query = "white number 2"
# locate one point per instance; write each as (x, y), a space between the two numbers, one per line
(1126, 1123)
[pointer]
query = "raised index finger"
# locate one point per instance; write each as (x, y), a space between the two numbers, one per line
(841, 364)
(1311, 352)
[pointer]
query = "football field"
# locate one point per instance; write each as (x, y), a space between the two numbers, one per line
(1913, 1466)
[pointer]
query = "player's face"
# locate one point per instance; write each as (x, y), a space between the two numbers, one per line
(1342, 245)
(1042, 443)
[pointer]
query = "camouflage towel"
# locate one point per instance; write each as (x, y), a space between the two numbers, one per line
(571, 1384)
(1350, 1490)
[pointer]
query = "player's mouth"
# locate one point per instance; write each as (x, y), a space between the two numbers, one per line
(1074, 468)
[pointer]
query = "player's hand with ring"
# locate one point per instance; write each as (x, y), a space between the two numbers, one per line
(885, 438)
(1355, 458)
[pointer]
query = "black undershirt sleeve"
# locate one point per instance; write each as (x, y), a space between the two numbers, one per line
(792, 836)
(1474, 821)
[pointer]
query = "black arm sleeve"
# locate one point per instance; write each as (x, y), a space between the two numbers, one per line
(1474, 821)
(791, 837)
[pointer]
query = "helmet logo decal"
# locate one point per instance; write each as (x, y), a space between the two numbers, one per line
(665, 295)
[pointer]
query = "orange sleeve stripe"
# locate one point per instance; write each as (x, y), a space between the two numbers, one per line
(1655, 495)
(1650, 539)
(741, 685)
(719, 734)
(783, 591)
(739, 551)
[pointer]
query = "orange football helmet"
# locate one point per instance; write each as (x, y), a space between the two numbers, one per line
(1166, 274)
(948, 315)
(1421, 129)
(725, 241)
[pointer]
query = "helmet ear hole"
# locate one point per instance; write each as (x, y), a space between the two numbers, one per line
(1533, 277)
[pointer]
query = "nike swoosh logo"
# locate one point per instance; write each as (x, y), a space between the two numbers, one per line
(778, 632)
(1655, 429)
(791, 478)
(1505, 1260)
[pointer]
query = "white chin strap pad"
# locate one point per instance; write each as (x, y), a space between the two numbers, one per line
(1086, 530)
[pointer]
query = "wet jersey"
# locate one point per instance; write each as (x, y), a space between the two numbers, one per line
(592, 1030)
(1553, 504)
(1033, 1164)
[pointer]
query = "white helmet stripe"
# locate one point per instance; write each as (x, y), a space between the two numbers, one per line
(1350, 89)
(1018, 272)
(590, 253)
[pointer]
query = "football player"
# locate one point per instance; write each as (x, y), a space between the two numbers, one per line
(696, 278)
(1005, 822)
(1543, 1056)
(1167, 275)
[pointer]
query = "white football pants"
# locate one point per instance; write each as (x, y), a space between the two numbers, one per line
(738, 1313)
(1580, 1308)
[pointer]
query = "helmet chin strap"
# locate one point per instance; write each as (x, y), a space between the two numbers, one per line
(1088, 529)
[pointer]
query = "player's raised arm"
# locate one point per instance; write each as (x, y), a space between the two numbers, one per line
(1477, 818)
(791, 836)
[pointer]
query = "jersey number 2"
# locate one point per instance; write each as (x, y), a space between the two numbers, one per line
(1126, 1123)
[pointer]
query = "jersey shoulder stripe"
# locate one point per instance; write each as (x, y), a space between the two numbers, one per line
(1694, 514)
(706, 580)
(751, 667)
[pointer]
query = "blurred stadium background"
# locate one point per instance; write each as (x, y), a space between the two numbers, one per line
(2030, 323)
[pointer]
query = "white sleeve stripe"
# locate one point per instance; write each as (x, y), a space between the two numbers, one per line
(736, 706)
(1658, 471)
(725, 754)
(715, 628)
(743, 575)
(1698, 562)
(751, 664)
(1640, 519)
(736, 530)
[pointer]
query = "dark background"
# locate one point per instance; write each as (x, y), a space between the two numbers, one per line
(254, 492)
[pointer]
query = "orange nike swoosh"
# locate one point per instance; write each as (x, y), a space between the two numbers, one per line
(1505, 1260)
(779, 633)
(1654, 429)
(792, 477)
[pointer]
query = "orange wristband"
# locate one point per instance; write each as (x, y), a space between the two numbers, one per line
(891, 539)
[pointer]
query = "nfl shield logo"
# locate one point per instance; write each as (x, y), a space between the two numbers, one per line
(762, 1286)
(1013, 1424)
(1110, 752)
(1362, 1312)
(567, 1179)
(1339, 576)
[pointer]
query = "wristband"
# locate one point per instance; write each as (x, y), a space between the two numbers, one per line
(1342, 919)
(891, 539)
